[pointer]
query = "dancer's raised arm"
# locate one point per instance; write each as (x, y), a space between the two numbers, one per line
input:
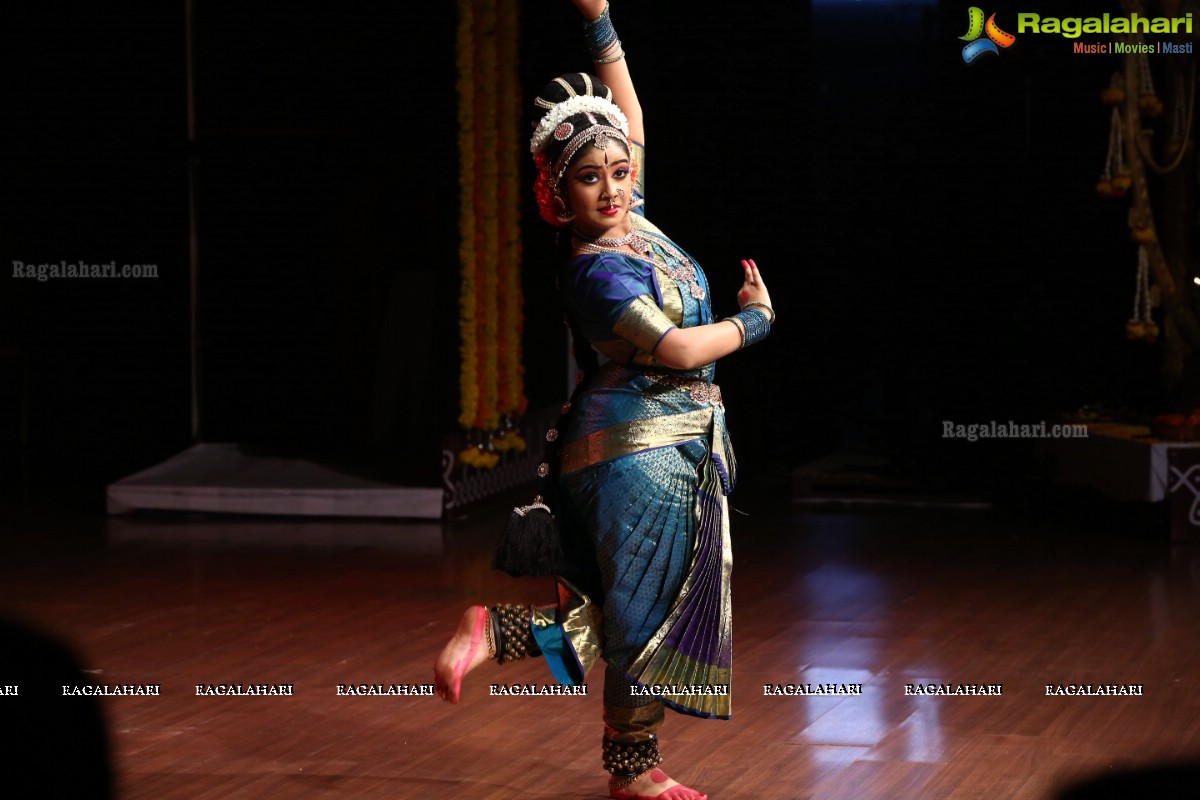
(609, 64)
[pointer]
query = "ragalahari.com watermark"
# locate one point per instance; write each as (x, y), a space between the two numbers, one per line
(1011, 430)
(76, 270)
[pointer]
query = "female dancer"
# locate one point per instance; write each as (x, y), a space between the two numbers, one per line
(644, 460)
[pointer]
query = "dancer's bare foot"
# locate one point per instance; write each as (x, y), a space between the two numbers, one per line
(656, 784)
(465, 651)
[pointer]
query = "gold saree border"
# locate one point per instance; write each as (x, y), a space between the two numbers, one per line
(634, 436)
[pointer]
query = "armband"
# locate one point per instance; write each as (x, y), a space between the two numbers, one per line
(753, 323)
(600, 37)
(643, 323)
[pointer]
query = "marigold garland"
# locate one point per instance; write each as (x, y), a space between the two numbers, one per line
(489, 412)
(512, 373)
(491, 378)
(468, 386)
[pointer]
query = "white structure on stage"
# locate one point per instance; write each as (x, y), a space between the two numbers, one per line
(224, 478)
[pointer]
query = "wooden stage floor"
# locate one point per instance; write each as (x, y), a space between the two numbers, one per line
(879, 600)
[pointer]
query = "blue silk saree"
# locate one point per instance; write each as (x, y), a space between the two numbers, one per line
(646, 465)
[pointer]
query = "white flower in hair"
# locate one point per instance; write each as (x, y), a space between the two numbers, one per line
(575, 105)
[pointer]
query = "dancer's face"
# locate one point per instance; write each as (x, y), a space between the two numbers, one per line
(598, 187)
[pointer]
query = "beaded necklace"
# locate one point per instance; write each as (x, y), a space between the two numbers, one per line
(678, 266)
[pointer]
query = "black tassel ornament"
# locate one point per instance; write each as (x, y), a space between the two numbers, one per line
(530, 545)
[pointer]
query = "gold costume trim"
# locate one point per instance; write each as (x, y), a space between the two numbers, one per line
(643, 323)
(672, 299)
(637, 154)
(634, 436)
(643, 224)
(636, 724)
(581, 623)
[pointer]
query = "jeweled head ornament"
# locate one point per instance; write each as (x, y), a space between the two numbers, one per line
(554, 123)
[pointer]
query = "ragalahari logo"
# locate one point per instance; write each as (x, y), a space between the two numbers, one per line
(976, 27)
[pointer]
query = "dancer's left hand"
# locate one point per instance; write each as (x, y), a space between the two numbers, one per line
(753, 289)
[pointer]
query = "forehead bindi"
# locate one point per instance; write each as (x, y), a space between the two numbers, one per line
(601, 160)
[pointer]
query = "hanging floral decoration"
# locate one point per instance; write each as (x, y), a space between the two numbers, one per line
(1180, 126)
(1148, 102)
(1141, 326)
(1114, 94)
(491, 377)
(1114, 180)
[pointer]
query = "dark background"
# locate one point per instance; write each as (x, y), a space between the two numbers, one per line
(929, 229)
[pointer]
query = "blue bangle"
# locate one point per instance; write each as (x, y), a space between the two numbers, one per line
(753, 323)
(599, 34)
